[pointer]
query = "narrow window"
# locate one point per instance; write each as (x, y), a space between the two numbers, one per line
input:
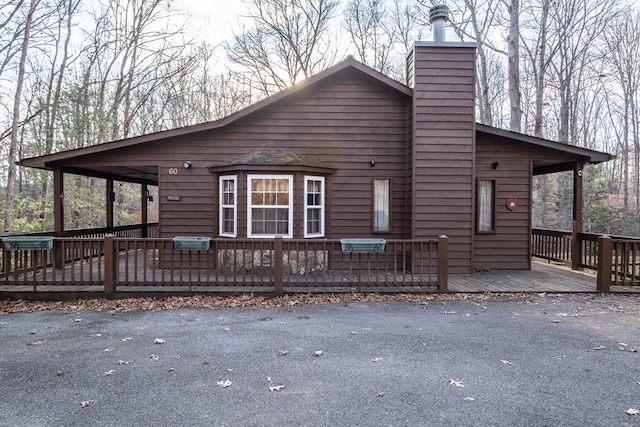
(228, 206)
(270, 206)
(313, 206)
(486, 206)
(381, 205)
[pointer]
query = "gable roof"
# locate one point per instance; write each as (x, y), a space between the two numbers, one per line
(47, 162)
(44, 162)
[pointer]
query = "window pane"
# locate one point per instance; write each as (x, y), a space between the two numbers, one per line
(381, 207)
(486, 189)
(313, 221)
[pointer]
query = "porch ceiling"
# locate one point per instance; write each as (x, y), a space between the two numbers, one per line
(136, 174)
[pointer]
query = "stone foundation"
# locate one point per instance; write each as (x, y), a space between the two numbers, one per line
(296, 263)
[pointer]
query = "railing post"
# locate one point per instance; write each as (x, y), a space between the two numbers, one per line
(109, 264)
(443, 263)
(605, 253)
(277, 265)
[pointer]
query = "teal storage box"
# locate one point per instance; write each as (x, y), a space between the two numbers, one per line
(188, 243)
(27, 243)
(362, 246)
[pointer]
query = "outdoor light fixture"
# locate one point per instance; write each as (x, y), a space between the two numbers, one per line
(187, 164)
(372, 163)
(494, 165)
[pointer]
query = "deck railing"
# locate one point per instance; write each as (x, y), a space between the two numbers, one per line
(615, 258)
(275, 265)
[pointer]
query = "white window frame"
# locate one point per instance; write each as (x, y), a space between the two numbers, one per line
(250, 206)
(233, 206)
(308, 207)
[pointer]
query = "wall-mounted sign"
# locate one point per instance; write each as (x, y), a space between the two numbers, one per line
(173, 171)
(512, 204)
(174, 198)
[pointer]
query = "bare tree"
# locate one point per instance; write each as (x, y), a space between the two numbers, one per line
(15, 126)
(622, 58)
(288, 42)
(365, 21)
(513, 49)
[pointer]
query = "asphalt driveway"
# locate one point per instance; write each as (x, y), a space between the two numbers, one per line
(537, 360)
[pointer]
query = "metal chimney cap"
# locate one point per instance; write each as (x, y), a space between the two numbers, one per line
(438, 12)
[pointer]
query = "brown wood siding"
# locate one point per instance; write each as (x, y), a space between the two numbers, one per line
(443, 138)
(508, 247)
(344, 121)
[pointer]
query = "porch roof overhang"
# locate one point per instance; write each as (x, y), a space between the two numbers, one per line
(567, 155)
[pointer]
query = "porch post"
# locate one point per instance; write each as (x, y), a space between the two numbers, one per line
(577, 217)
(58, 201)
(443, 264)
(278, 266)
(58, 214)
(145, 214)
(110, 196)
(605, 248)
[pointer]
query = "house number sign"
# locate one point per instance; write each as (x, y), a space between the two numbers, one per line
(173, 171)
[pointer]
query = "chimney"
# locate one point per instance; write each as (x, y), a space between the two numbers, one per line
(442, 141)
(438, 16)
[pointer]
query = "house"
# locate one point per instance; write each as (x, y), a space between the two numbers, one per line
(348, 152)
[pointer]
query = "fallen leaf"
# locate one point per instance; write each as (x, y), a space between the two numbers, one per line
(227, 329)
(448, 312)
(110, 372)
(78, 320)
(469, 399)
(35, 342)
(506, 362)
(283, 352)
(380, 394)
(124, 362)
(376, 359)
(171, 369)
(456, 383)
(354, 333)
(269, 380)
(600, 347)
(632, 411)
(318, 353)
(96, 335)
(108, 349)
(154, 358)
(86, 403)
(276, 388)
(224, 383)
(125, 339)
(556, 321)
(159, 341)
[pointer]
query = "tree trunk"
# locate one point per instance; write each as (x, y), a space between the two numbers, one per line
(515, 121)
(15, 124)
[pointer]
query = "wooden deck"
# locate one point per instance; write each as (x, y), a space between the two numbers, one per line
(543, 277)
